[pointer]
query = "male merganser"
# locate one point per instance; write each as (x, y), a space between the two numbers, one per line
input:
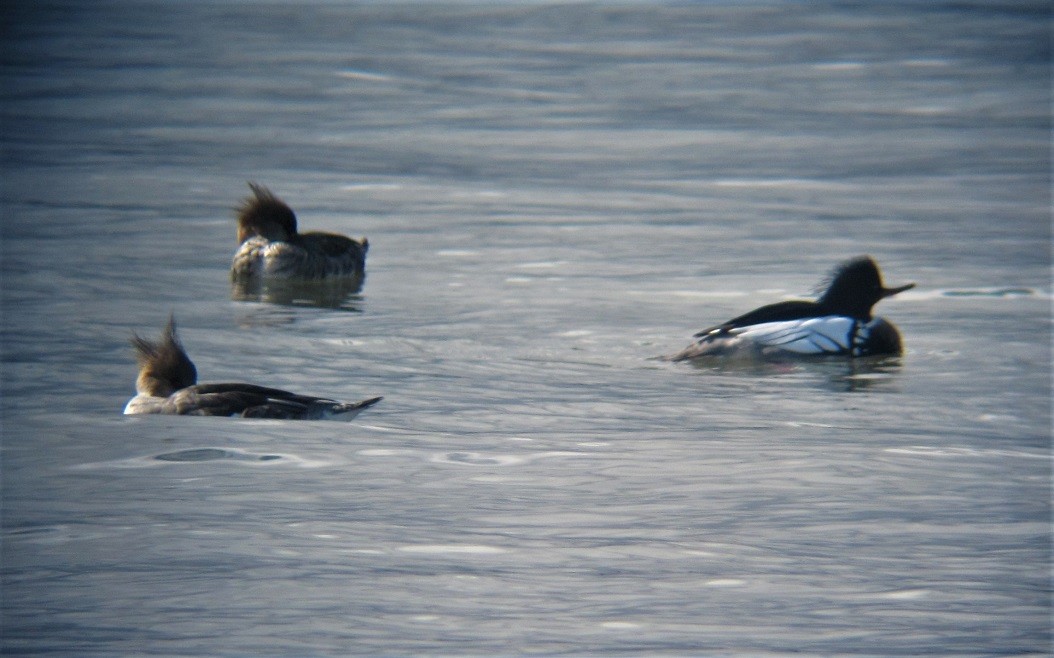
(167, 385)
(271, 247)
(839, 323)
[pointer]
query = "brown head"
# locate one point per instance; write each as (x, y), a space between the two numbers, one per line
(265, 215)
(164, 366)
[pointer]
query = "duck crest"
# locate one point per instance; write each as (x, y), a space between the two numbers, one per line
(265, 215)
(164, 366)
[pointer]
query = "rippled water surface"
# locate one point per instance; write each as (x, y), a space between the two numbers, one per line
(554, 196)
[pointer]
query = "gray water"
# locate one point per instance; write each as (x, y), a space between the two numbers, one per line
(554, 195)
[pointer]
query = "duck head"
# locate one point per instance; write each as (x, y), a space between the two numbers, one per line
(164, 366)
(856, 286)
(265, 215)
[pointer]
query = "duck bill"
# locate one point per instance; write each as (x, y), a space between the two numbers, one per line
(889, 292)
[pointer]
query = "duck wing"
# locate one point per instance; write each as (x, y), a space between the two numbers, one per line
(331, 244)
(778, 312)
(252, 401)
(264, 392)
(192, 401)
(235, 399)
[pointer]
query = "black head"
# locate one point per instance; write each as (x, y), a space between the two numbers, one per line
(265, 215)
(164, 366)
(856, 286)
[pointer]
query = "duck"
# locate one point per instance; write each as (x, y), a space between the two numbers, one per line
(167, 384)
(839, 323)
(269, 246)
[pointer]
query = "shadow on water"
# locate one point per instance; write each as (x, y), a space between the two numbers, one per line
(828, 373)
(338, 294)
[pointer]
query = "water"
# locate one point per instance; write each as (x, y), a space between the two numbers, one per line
(554, 195)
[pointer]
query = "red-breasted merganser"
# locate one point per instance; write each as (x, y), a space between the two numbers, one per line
(167, 384)
(839, 323)
(270, 246)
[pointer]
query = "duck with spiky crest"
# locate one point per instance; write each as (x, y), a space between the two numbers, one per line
(167, 384)
(270, 247)
(839, 323)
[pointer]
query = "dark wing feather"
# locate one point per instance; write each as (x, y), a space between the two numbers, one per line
(192, 402)
(262, 392)
(330, 244)
(778, 312)
(234, 399)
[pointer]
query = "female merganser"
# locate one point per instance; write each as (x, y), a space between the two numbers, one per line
(167, 385)
(839, 323)
(271, 247)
